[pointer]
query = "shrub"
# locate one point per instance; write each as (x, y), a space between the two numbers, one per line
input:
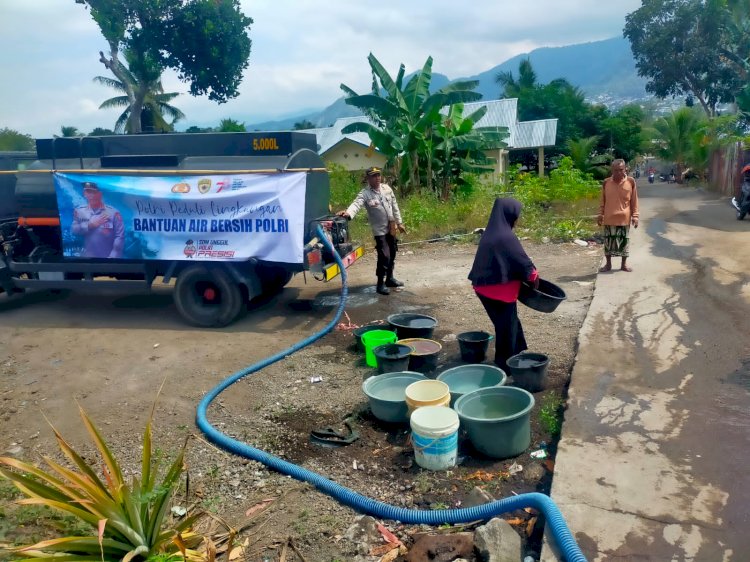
(126, 522)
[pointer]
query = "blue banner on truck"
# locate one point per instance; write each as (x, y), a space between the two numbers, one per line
(197, 218)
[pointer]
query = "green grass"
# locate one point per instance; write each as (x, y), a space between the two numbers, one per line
(558, 208)
(550, 414)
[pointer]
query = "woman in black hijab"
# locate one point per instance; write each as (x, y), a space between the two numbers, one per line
(500, 265)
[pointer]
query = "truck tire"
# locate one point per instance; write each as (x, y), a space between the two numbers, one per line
(274, 279)
(207, 297)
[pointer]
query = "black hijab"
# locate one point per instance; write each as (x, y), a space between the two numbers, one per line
(500, 257)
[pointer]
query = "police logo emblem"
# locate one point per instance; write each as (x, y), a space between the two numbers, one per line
(204, 185)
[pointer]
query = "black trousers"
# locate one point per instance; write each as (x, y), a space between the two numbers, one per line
(386, 247)
(509, 338)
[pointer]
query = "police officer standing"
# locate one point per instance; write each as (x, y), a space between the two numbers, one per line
(100, 225)
(385, 221)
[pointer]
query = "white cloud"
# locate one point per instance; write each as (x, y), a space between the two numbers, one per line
(302, 50)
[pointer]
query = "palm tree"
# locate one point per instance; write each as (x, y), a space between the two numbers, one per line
(674, 136)
(153, 109)
(70, 131)
(526, 80)
(583, 154)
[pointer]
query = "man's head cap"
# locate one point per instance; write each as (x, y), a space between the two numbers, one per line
(373, 171)
(90, 185)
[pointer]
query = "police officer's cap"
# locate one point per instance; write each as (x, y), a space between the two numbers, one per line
(90, 185)
(373, 171)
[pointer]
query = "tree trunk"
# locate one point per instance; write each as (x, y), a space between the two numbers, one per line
(136, 109)
(114, 65)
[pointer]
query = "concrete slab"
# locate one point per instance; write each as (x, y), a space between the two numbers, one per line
(655, 437)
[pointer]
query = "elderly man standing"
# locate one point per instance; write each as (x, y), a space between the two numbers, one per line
(385, 221)
(618, 210)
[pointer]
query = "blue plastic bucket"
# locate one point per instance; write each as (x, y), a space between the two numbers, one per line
(434, 435)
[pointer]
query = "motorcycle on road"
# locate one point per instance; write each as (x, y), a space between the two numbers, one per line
(743, 204)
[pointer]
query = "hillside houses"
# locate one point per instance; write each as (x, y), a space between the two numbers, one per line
(353, 151)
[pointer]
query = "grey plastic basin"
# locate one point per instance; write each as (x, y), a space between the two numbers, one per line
(496, 419)
(468, 378)
(387, 394)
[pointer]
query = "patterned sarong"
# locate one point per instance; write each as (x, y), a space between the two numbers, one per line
(617, 241)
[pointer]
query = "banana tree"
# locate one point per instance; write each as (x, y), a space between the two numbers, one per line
(459, 147)
(403, 116)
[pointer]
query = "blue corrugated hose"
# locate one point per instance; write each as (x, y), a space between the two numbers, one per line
(564, 539)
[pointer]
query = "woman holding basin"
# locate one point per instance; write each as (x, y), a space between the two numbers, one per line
(500, 265)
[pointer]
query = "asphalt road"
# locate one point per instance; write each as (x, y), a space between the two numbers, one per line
(653, 460)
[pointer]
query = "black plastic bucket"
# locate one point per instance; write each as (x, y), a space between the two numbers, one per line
(544, 299)
(424, 358)
(529, 370)
(410, 325)
(474, 345)
(392, 357)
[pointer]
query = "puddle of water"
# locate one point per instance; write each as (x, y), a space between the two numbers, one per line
(355, 300)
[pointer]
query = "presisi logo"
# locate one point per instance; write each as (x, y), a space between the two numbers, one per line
(204, 185)
(223, 184)
(181, 188)
(190, 249)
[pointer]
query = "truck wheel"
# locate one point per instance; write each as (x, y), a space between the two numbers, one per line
(207, 297)
(274, 279)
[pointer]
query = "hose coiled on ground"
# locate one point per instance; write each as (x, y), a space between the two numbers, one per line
(555, 521)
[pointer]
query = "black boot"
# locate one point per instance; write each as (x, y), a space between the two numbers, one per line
(393, 282)
(381, 288)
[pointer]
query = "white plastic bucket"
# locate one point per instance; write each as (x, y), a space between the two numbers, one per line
(434, 435)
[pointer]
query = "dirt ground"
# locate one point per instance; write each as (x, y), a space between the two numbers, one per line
(110, 354)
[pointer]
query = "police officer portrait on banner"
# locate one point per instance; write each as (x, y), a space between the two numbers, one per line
(384, 216)
(100, 225)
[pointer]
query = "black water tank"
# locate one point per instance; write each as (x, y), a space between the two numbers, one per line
(11, 161)
(36, 197)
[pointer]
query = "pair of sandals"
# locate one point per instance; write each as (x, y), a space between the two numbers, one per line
(605, 269)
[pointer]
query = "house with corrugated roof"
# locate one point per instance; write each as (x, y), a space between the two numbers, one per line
(354, 151)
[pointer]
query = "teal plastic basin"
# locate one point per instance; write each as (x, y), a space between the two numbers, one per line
(387, 394)
(468, 378)
(496, 420)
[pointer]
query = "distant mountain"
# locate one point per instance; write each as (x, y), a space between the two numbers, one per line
(336, 110)
(604, 70)
(597, 68)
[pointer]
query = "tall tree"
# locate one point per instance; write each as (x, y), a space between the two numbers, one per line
(677, 47)
(675, 135)
(205, 41)
(512, 88)
(403, 116)
(69, 131)
(230, 125)
(101, 132)
(304, 124)
(623, 132)
(11, 139)
(155, 106)
(557, 100)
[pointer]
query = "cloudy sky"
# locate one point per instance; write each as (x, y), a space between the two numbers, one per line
(302, 51)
